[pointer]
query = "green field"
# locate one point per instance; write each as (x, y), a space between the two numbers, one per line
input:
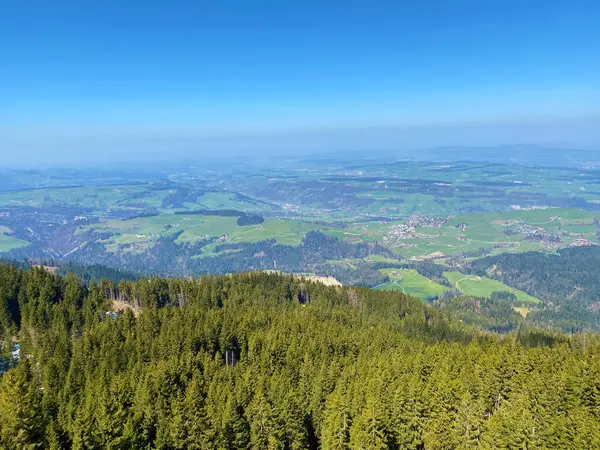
(102, 199)
(498, 231)
(412, 283)
(498, 204)
(483, 230)
(483, 287)
(145, 230)
(182, 220)
(8, 243)
(380, 258)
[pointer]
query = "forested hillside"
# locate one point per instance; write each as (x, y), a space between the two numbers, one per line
(568, 281)
(263, 361)
(169, 258)
(570, 277)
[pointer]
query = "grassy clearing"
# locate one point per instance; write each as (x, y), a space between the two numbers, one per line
(522, 310)
(412, 283)
(97, 197)
(8, 243)
(483, 287)
(286, 232)
(380, 258)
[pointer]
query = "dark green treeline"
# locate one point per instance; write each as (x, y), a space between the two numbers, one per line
(263, 361)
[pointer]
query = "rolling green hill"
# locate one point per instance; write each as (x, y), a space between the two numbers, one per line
(411, 283)
(483, 287)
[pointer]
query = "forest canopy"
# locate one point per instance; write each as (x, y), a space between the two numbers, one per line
(266, 361)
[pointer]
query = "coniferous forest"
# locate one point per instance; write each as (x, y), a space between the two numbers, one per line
(265, 361)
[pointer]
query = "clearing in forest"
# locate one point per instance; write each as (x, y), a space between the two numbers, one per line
(483, 287)
(411, 283)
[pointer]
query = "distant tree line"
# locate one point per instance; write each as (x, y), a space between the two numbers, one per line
(170, 257)
(567, 282)
(243, 218)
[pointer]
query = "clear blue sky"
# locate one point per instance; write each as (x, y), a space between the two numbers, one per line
(114, 75)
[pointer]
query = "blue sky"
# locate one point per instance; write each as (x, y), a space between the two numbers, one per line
(100, 75)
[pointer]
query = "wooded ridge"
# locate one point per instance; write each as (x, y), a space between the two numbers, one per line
(267, 361)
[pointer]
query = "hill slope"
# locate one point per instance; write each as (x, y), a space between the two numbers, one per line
(268, 361)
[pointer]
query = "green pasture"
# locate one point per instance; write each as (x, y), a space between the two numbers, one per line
(487, 230)
(196, 227)
(412, 283)
(9, 243)
(380, 258)
(287, 232)
(102, 198)
(97, 197)
(224, 200)
(483, 287)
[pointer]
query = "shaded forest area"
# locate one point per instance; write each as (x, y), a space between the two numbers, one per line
(264, 361)
(170, 257)
(568, 282)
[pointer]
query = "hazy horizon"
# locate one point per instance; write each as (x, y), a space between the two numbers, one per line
(61, 149)
(107, 82)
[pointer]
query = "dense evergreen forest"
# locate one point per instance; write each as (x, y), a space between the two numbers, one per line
(568, 283)
(265, 361)
(170, 258)
(570, 277)
(494, 314)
